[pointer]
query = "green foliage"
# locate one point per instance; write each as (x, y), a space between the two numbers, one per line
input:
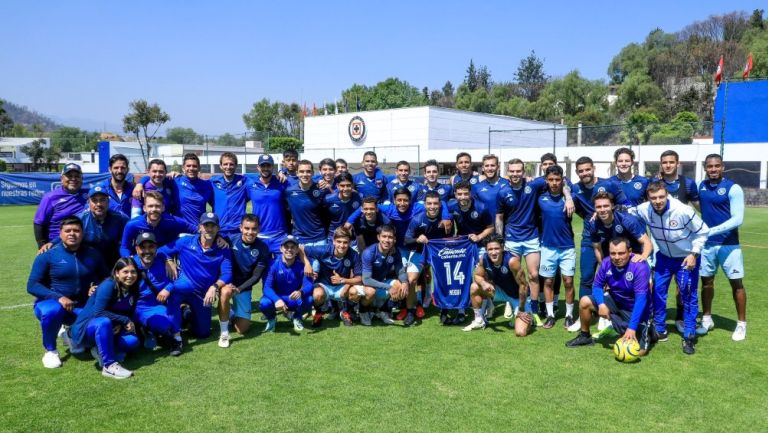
(568, 96)
(3, 166)
(516, 106)
(71, 139)
(639, 127)
(470, 80)
(143, 121)
(51, 157)
(6, 123)
(279, 144)
(182, 136)
(679, 131)
(756, 42)
(478, 101)
(530, 76)
(394, 93)
(228, 139)
(19, 130)
(632, 58)
(35, 151)
(639, 91)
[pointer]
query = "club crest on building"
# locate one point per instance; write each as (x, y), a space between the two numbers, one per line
(356, 129)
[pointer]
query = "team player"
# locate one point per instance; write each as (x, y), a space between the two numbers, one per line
(722, 209)
(403, 180)
(327, 176)
(105, 322)
(206, 267)
(340, 204)
(286, 288)
(166, 228)
(150, 313)
(64, 201)
(632, 185)
(371, 182)
(680, 235)
(194, 193)
(384, 277)
(251, 259)
(367, 223)
(340, 271)
(117, 187)
(59, 280)
(557, 247)
(464, 169)
(431, 183)
(626, 300)
(305, 200)
(487, 190)
(156, 181)
(267, 203)
(610, 223)
(341, 166)
(470, 217)
(289, 172)
(230, 194)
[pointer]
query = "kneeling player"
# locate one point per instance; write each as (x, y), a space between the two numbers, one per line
(286, 288)
(626, 301)
(496, 272)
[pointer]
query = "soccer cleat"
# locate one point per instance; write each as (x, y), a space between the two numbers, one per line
(298, 326)
(478, 323)
(508, 311)
(365, 318)
(740, 333)
(420, 312)
(346, 318)
(581, 340)
(444, 318)
(606, 332)
(51, 359)
(662, 336)
(459, 319)
(224, 341)
(116, 371)
(149, 341)
(570, 323)
(385, 317)
(409, 320)
(706, 325)
(689, 347)
(401, 314)
(680, 325)
(271, 324)
(176, 347)
(317, 319)
(537, 322)
(549, 323)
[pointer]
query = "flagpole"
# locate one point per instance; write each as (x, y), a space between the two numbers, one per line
(722, 121)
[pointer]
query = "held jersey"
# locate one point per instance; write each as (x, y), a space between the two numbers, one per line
(452, 262)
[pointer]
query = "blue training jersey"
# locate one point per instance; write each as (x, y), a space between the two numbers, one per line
(199, 267)
(487, 193)
(722, 209)
(268, 204)
(452, 262)
(375, 186)
(412, 187)
(472, 179)
(518, 205)
(282, 280)
(229, 200)
(502, 275)
(381, 266)
(347, 266)
(152, 280)
(556, 225)
(194, 195)
(60, 272)
(119, 202)
(634, 189)
(624, 225)
(444, 190)
(338, 211)
(674, 189)
(369, 231)
(473, 220)
(247, 257)
(168, 229)
(421, 224)
(306, 208)
(582, 198)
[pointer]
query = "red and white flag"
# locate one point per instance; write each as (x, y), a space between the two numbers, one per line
(719, 72)
(747, 67)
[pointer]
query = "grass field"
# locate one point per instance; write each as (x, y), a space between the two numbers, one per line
(423, 379)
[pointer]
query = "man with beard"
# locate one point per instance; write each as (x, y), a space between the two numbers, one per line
(266, 195)
(371, 182)
(166, 228)
(156, 181)
(118, 188)
(230, 194)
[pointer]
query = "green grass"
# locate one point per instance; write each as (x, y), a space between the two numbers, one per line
(425, 379)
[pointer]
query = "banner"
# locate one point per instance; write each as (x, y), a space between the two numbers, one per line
(453, 264)
(28, 188)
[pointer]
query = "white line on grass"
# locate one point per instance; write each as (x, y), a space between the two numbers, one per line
(13, 307)
(762, 247)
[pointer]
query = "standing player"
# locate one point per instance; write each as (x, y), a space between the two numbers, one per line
(64, 201)
(341, 166)
(431, 183)
(166, 228)
(680, 235)
(722, 209)
(557, 247)
(340, 204)
(625, 302)
(371, 182)
(286, 288)
(680, 187)
(464, 169)
(266, 196)
(487, 190)
(384, 277)
(194, 193)
(305, 200)
(59, 281)
(119, 190)
(632, 185)
(367, 223)
(471, 218)
(610, 223)
(230, 194)
(403, 181)
(156, 181)
(289, 172)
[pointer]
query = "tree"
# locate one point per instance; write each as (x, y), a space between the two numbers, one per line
(756, 20)
(182, 136)
(18, 130)
(639, 127)
(71, 139)
(228, 139)
(478, 101)
(630, 59)
(6, 123)
(51, 156)
(390, 93)
(142, 119)
(484, 78)
(264, 117)
(35, 151)
(530, 76)
(471, 78)
(280, 144)
(567, 96)
(638, 90)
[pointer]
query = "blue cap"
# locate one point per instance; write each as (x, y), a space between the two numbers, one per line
(288, 239)
(145, 237)
(209, 217)
(71, 167)
(266, 159)
(97, 190)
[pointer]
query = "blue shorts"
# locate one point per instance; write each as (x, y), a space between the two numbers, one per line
(320, 243)
(332, 291)
(728, 257)
(502, 296)
(383, 294)
(552, 258)
(241, 305)
(523, 248)
(273, 241)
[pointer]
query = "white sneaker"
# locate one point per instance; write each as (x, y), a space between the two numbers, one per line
(385, 317)
(51, 359)
(64, 336)
(680, 325)
(740, 333)
(706, 325)
(224, 341)
(116, 371)
(478, 323)
(508, 311)
(576, 326)
(298, 325)
(365, 318)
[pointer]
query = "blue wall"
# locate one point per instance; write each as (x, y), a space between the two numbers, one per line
(745, 119)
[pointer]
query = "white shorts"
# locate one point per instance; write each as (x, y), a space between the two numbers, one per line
(552, 258)
(523, 248)
(728, 257)
(412, 261)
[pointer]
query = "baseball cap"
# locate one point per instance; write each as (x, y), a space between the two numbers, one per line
(71, 167)
(266, 159)
(97, 190)
(209, 217)
(288, 239)
(145, 237)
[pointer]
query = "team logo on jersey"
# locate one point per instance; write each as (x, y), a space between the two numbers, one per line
(527, 189)
(673, 223)
(721, 191)
(218, 185)
(356, 129)
(441, 191)
(619, 229)
(316, 193)
(347, 263)
(255, 253)
(390, 260)
(474, 214)
(483, 189)
(504, 270)
(334, 205)
(355, 204)
(601, 189)
(473, 180)
(629, 276)
(411, 188)
(638, 186)
(379, 183)
(239, 183)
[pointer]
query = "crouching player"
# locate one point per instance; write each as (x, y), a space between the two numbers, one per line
(626, 301)
(384, 277)
(496, 271)
(340, 272)
(286, 288)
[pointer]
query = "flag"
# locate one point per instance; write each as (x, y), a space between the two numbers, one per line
(314, 109)
(719, 72)
(304, 111)
(747, 67)
(357, 101)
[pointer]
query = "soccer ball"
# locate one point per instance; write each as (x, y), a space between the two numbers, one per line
(626, 351)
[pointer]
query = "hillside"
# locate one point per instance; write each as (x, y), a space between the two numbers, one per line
(27, 117)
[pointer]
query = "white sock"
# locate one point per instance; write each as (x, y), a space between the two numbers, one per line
(744, 323)
(707, 317)
(551, 309)
(569, 309)
(478, 313)
(224, 327)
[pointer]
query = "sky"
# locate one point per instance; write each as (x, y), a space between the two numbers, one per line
(206, 63)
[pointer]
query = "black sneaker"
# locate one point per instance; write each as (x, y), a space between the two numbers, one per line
(662, 336)
(176, 347)
(410, 319)
(444, 318)
(568, 322)
(542, 310)
(459, 319)
(583, 339)
(549, 323)
(689, 347)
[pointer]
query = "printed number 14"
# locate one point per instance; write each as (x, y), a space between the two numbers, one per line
(457, 274)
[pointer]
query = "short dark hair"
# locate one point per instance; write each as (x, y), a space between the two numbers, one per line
(370, 199)
(401, 191)
(288, 153)
(403, 162)
(190, 156)
(117, 157)
(250, 218)
(602, 195)
(516, 161)
(344, 177)
(327, 162)
(464, 184)
(463, 154)
(655, 186)
(342, 161)
(431, 194)
(70, 220)
(386, 228)
(370, 153)
(549, 156)
(491, 156)
(229, 155)
(494, 238)
(554, 169)
(623, 150)
(713, 155)
(158, 162)
(618, 240)
(584, 160)
(669, 152)
(430, 163)
(306, 162)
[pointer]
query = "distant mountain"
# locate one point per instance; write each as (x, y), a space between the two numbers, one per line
(27, 117)
(89, 124)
